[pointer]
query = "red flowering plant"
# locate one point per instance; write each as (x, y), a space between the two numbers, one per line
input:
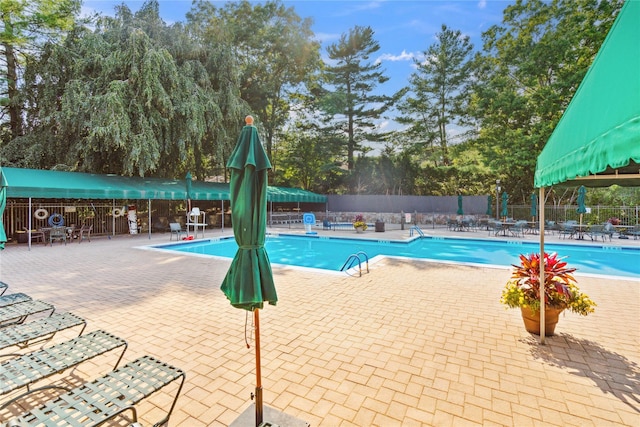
(560, 289)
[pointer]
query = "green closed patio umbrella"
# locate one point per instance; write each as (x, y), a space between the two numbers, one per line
(249, 281)
(460, 211)
(188, 184)
(504, 212)
(582, 209)
(534, 207)
(489, 205)
(3, 204)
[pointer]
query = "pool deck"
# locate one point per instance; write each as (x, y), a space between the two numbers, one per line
(411, 343)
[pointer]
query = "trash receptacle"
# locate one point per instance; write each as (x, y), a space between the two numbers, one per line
(21, 237)
(379, 225)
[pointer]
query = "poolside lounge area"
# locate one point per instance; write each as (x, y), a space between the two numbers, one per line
(412, 343)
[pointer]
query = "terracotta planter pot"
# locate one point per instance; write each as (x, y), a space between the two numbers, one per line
(532, 320)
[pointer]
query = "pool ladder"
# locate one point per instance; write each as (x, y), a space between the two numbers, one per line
(417, 230)
(353, 258)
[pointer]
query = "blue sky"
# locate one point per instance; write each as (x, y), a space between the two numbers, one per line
(404, 28)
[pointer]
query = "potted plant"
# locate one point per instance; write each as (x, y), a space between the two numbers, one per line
(359, 223)
(560, 291)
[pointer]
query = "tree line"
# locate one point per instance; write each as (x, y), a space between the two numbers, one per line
(133, 95)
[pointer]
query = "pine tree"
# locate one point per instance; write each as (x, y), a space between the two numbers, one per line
(351, 102)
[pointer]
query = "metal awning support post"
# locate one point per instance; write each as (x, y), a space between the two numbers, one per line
(542, 267)
(149, 219)
(29, 225)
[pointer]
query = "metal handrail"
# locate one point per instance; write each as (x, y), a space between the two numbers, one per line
(352, 259)
(366, 257)
(417, 230)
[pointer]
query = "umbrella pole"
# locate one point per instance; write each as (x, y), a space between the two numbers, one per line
(256, 317)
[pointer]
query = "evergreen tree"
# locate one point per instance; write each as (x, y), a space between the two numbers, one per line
(438, 93)
(351, 101)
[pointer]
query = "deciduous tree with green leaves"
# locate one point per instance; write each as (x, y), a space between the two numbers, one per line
(276, 51)
(529, 69)
(25, 26)
(115, 100)
(309, 159)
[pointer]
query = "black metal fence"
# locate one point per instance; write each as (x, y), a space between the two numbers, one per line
(111, 218)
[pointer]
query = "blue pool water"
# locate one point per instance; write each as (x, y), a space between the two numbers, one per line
(331, 253)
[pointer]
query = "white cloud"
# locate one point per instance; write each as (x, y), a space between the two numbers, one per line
(404, 56)
(327, 37)
(482, 4)
(351, 8)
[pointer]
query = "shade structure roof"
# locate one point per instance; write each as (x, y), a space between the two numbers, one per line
(597, 141)
(46, 184)
(285, 194)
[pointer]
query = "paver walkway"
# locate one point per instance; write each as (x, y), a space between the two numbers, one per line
(409, 344)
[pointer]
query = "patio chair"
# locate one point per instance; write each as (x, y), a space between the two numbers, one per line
(470, 224)
(36, 235)
(550, 226)
(29, 368)
(635, 232)
(82, 233)
(11, 299)
(598, 230)
(58, 233)
(494, 227)
(176, 229)
(326, 225)
(609, 229)
(107, 398)
(518, 228)
(18, 313)
(567, 229)
(43, 329)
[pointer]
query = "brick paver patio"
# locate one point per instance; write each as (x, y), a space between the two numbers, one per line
(409, 344)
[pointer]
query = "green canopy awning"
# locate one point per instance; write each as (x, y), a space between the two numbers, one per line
(597, 141)
(46, 184)
(284, 194)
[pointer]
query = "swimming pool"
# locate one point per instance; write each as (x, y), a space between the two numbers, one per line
(330, 253)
